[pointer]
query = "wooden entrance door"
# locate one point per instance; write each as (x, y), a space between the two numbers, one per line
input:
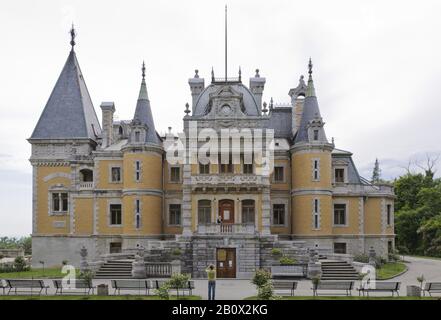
(226, 262)
(226, 211)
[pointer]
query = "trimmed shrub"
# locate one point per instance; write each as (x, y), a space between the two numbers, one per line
(286, 261)
(261, 277)
(19, 264)
(276, 252)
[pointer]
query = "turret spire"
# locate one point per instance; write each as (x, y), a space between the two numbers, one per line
(143, 70)
(310, 91)
(73, 34)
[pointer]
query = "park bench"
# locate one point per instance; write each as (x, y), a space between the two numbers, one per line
(345, 286)
(378, 286)
(23, 285)
(290, 286)
(78, 284)
(432, 287)
(290, 271)
(3, 286)
(189, 286)
(139, 285)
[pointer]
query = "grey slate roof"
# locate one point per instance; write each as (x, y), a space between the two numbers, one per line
(310, 111)
(353, 176)
(69, 112)
(280, 121)
(143, 115)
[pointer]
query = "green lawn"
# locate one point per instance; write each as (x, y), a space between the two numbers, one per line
(81, 297)
(389, 270)
(52, 273)
(348, 298)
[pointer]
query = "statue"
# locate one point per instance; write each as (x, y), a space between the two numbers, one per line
(84, 266)
(138, 266)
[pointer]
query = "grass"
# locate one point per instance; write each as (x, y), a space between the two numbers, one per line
(93, 297)
(53, 273)
(389, 270)
(348, 298)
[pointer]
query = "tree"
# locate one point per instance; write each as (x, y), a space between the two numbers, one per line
(376, 173)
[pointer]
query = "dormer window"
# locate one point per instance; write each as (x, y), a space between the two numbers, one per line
(339, 175)
(316, 135)
(137, 136)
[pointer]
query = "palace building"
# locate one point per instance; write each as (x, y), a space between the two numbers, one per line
(111, 188)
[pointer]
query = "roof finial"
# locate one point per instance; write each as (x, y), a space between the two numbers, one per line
(187, 109)
(257, 73)
(143, 70)
(226, 44)
(196, 73)
(73, 34)
(271, 103)
(310, 67)
(212, 74)
(240, 74)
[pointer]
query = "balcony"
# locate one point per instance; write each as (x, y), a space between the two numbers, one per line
(226, 228)
(86, 185)
(226, 180)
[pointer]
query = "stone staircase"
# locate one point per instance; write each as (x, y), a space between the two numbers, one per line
(115, 269)
(338, 270)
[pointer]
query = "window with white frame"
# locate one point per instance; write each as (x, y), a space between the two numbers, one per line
(389, 214)
(316, 214)
(115, 174)
(137, 214)
(175, 174)
(137, 136)
(340, 218)
(279, 174)
(204, 211)
(137, 171)
(174, 214)
(60, 202)
(316, 134)
(115, 214)
(278, 214)
(248, 211)
(339, 175)
(204, 168)
(316, 169)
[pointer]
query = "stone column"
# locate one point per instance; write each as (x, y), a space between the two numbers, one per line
(186, 201)
(266, 209)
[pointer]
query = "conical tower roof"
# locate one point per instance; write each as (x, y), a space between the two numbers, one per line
(143, 112)
(69, 112)
(311, 110)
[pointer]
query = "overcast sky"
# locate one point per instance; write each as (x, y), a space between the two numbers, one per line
(377, 70)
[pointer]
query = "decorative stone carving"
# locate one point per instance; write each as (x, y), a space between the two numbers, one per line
(84, 266)
(372, 257)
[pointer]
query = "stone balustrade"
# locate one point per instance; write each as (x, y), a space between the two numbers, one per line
(226, 228)
(226, 179)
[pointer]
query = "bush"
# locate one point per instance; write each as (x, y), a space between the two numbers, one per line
(64, 262)
(266, 292)
(178, 280)
(286, 261)
(19, 264)
(276, 252)
(162, 291)
(261, 277)
(1, 256)
(86, 276)
(363, 258)
(176, 252)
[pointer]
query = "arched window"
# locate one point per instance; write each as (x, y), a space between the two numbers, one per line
(86, 175)
(120, 130)
(248, 211)
(204, 211)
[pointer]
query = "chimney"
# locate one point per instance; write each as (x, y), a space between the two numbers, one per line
(108, 109)
(297, 98)
(197, 85)
(257, 85)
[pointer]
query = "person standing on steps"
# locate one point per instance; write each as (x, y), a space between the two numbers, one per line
(211, 275)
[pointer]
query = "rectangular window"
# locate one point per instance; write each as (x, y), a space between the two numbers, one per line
(115, 214)
(279, 174)
(204, 211)
(137, 136)
(340, 214)
(137, 206)
(116, 174)
(389, 214)
(175, 174)
(339, 175)
(340, 247)
(248, 168)
(60, 202)
(248, 211)
(316, 214)
(226, 167)
(174, 214)
(137, 171)
(279, 214)
(316, 135)
(315, 171)
(204, 168)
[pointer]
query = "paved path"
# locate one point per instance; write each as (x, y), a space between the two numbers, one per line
(239, 289)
